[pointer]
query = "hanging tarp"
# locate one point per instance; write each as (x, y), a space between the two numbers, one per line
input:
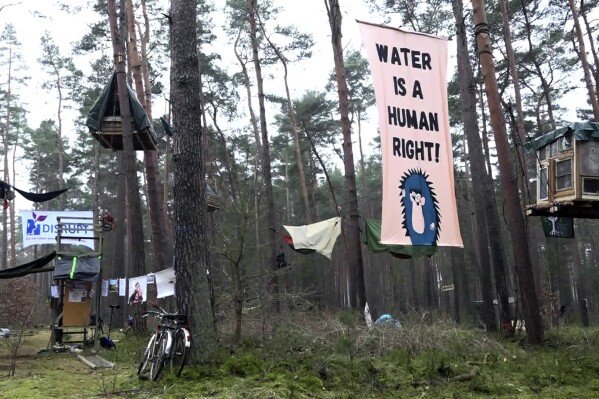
(35, 266)
(582, 131)
(289, 241)
(106, 109)
(77, 268)
(7, 194)
(320, 236)
(373, 241)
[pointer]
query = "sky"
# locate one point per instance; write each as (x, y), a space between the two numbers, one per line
(32, 18)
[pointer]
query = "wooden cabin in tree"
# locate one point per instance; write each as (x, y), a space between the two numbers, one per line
(567, 172)
(105, 123)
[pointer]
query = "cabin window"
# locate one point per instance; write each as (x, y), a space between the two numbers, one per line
(563, 174)
(566, 142)
(590, 185)
(553, 149)
(542, 153)
(543, 186)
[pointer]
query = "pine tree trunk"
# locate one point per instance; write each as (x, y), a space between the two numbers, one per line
(294, 130)
(193, 294)
(592, 43)
(248, 88)
(358, 288)
(534, 324)
(544, 84)
(582, 55)
(134, 216)
(6, 177)
(266, 172)
(477, 164)
(13, 228)
(155, 203)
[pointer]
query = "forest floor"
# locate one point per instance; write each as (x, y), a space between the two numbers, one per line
(324, 357)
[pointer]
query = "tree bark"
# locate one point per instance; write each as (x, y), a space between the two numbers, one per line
(266, 173)
(294, 131)
(193, 294)
(133, 209)
(357, 286)
(6, 177)
(155, 203)
(487, 221)
(544, 84)
(582, 55)
(534, 324)
(592, 43)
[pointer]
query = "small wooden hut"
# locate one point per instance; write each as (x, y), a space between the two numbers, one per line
(567, 172)
(105, 124)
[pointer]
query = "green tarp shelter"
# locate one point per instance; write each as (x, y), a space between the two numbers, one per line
(77, 268)
(582, 131)
(373, 240)
(103, 119)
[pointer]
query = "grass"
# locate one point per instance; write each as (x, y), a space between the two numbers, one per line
(321, 356)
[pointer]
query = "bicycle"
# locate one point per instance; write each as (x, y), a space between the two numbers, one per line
(170, 340)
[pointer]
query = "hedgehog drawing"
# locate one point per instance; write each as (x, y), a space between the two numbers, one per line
(421, 218)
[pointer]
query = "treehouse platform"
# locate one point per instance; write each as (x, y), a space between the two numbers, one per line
(567, 209)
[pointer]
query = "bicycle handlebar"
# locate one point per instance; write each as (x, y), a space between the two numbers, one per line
(163, 313)
(151, 312)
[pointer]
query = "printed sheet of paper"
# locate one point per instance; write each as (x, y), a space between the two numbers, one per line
(76, 295)
(113, 285)
(165, 283)
(104, 287)
(122, 287)
(54, 291)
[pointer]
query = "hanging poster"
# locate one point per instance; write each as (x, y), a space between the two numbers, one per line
(104, 287)
(137, 289)
(151, 278)
(165, 283)
(54, 293)
(41, 227)
(122, 287)
(558, 227)
(409, 73)
(76, 296)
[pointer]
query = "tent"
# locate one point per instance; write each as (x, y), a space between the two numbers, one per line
(373, 241)
(77, 268)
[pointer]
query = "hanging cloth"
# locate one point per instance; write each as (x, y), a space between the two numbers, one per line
(320, 236)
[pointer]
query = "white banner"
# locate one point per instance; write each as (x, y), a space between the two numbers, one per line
(41, 227)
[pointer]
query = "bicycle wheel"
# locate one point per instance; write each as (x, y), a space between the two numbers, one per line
(179, 353)
(146, 356)
(158, 357)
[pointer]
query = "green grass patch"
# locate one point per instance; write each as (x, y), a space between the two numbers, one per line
(329, 358)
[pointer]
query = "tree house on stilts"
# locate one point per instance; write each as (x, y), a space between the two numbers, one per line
(567, 172)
